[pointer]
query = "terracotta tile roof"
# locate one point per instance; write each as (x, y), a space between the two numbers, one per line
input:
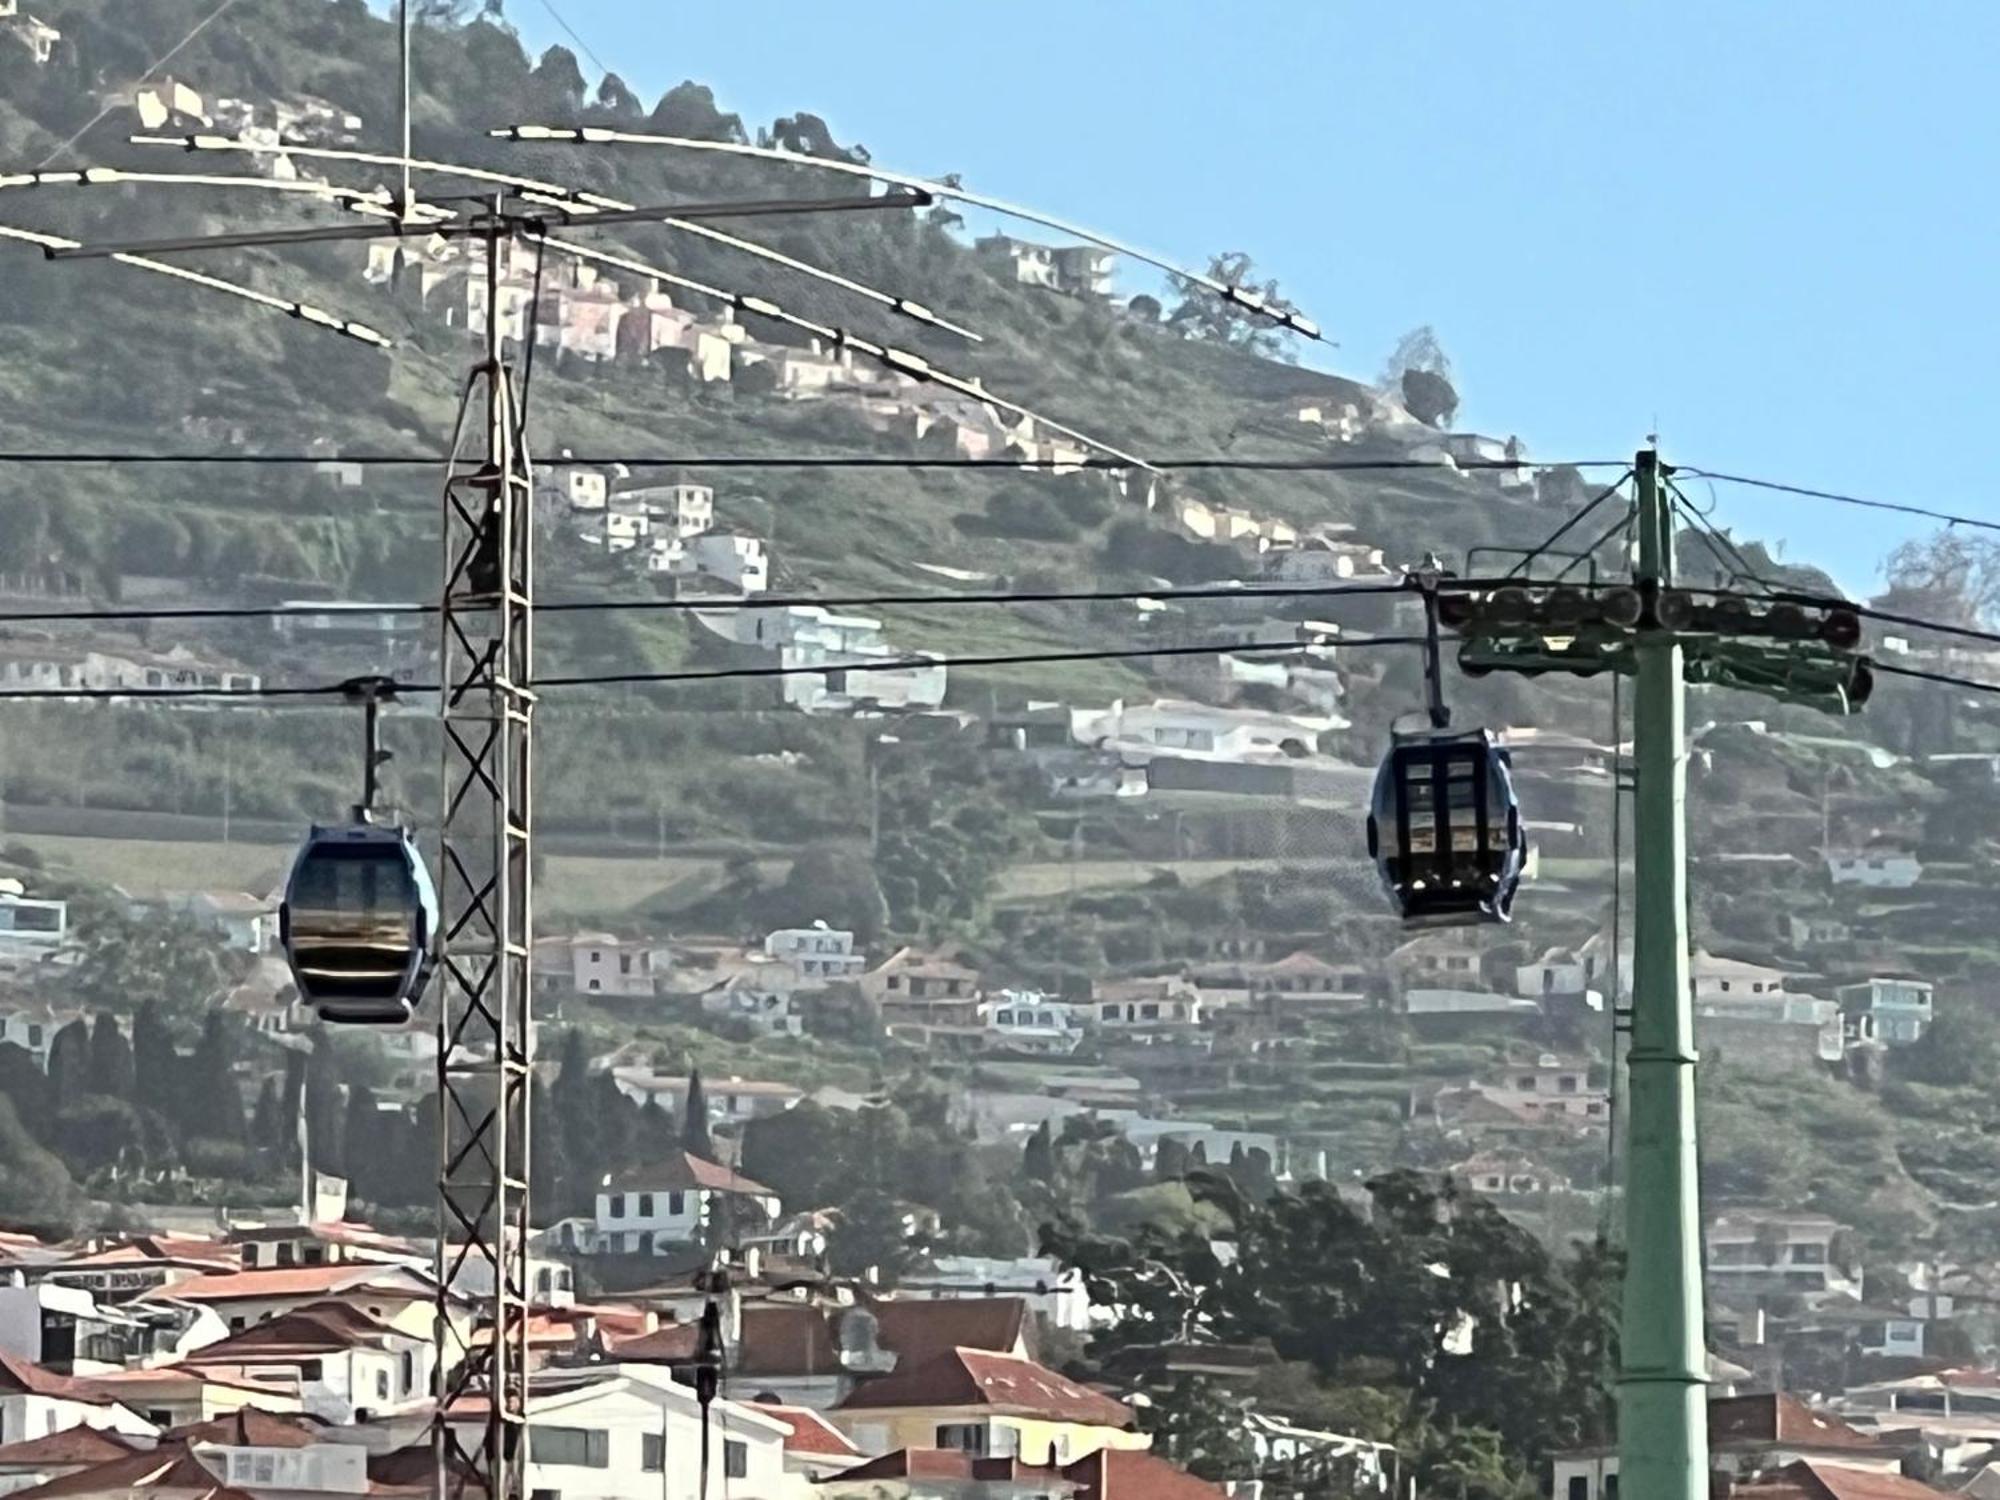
(786, 1341)
(315, 1328)
(1134, 1474)
(664, 1345)
(948, 1463)
(73, 1445)
(808, 1432)
(25, 1377)
(974, 1377)
(169, 1467)
(291, 1281)
(1810, 1479)
(1778, 1418)
(684, 1170)
(919, 1331)
(250, 1428)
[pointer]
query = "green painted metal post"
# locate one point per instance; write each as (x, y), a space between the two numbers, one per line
(1662, 1397)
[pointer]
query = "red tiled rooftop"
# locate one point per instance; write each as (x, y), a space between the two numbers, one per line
(808, 1432)
(73, 1445)
(684, 1170)
(1134, 1474)
(947, 1463)
(1779, 1418)
(919, 1331)
(1819, 1480)
(975, 1377)
(290, 1281)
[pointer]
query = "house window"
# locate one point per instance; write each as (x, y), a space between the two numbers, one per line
(288, 1254)
(1524, 1083)
(1108, 1012)
(1567, 1083)
(653, 1452)
(1579, 1487)
(409, 1361)
(596, 984)
(735, 1459)
(1149, 1012)
(596, 956)
(381, 1385)
(966, 1437)
(616, 1208)
(676, 1205)
(646, 1205)
(573, 1447)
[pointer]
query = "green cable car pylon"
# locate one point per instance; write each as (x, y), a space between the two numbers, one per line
(1789, 647)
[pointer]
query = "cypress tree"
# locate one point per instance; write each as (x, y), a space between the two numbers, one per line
(69, 1064)
(111, 1062)
(695, 1136)
(214, 1102)
(1038, 1157)
(156, 1064)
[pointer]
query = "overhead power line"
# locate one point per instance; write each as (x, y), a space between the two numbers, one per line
(1894, 506)
(711, 674)
(1181, 463)
(306, 608)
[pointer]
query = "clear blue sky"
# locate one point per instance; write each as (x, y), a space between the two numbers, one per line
(1768, 228)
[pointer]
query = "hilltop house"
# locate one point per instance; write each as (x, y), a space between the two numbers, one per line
(1027, 1021)
(731, 1100)
(1877, 869)
(761, 996)
(818, 952)
(683, 510)
(1900, 1009)
(28, 31)
(1715, 977)
(908, 979)
(1753, 1253)
(662, 1207)
(1146, 1004)
(1509, 1173)
(1297, 983)
(344, 1364)
(1081, 270)
(738, 563)
(599, 963)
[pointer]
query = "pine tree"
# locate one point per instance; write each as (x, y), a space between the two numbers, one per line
(111, 1063)
(695, 1136)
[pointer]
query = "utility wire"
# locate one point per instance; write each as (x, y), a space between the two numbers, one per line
(1947, 679)
(1839, 499)
(571, 33)
(1557, 535)
(151, 68)
(820, 461)
(612, 679)
(998, 659)
(754, 601)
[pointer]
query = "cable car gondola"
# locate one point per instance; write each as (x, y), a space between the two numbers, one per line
(360, 915)
(1444, 825)
(1445, 828)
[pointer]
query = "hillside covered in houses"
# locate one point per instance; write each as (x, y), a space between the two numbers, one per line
(954, 1009)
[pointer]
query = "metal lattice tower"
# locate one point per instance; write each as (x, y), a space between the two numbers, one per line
(485, 1038)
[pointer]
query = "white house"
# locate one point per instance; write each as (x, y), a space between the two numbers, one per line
(1053, 1291)
(32, 1026)
(1752, 1254)
(31, 32)
(30, 926)
(346, 1365)
(1879, 869)
(1027, 1021)
(633, 1430)
(1177, 727)
(763, 997)
(731, 1100)
(660, 1208)
(739, 563)
(35, 1403)
(601, 964)
(1900, 1008)
(575, 486)
(248, 924)
(1715, 977)
(684, 510)
(1084, 270)
(816, 952)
